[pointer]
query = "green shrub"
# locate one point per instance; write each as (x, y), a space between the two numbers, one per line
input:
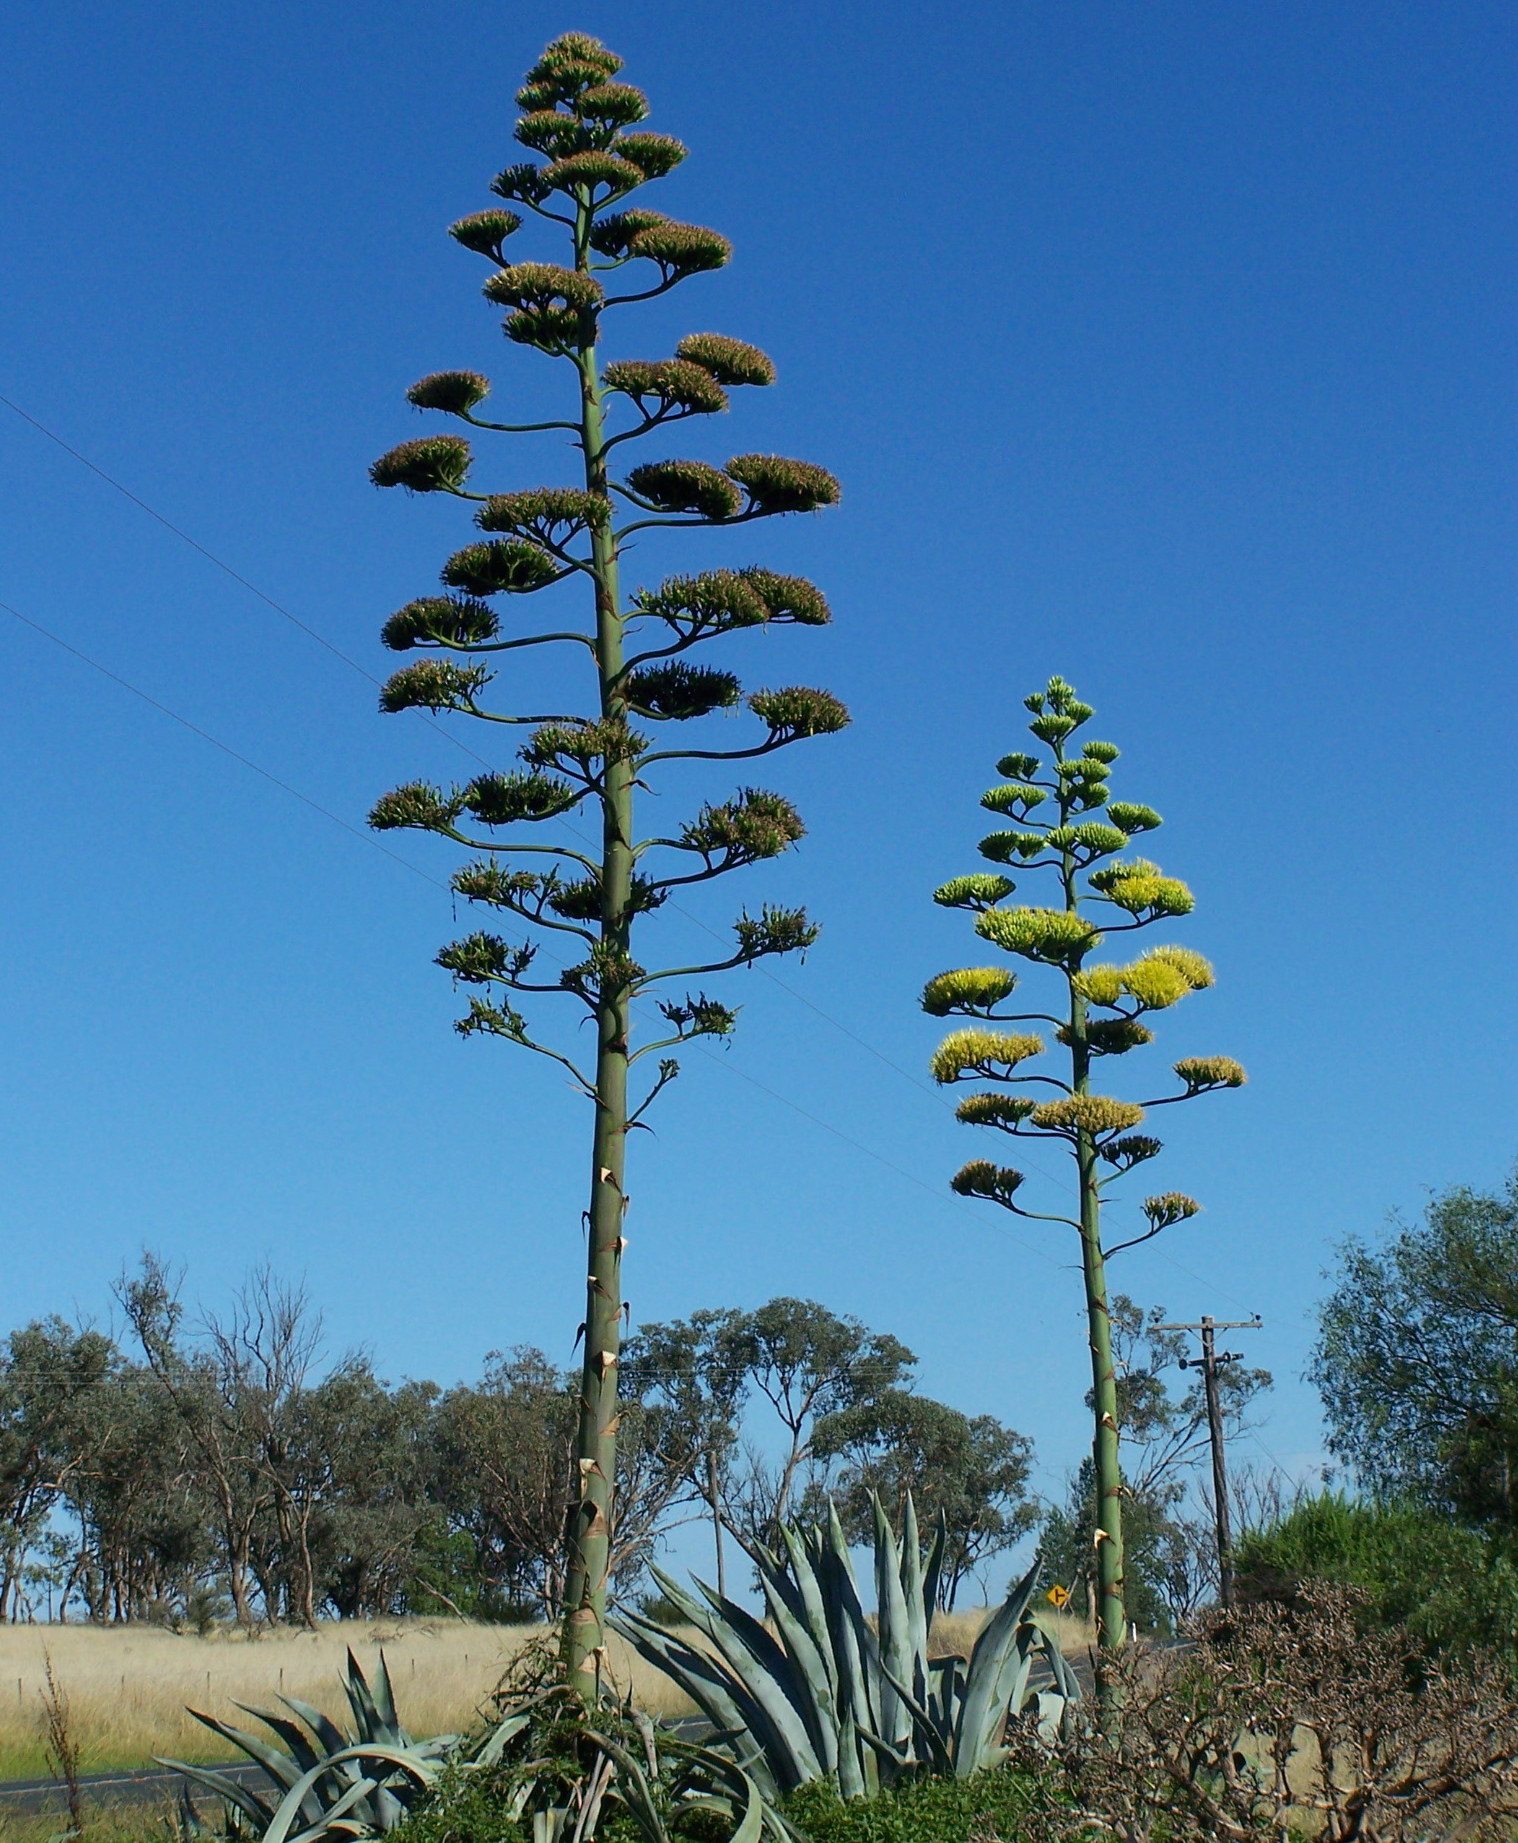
(1450, 1586)
(980, 1809)
(661, 1609)
(464, 1809)
(983, 1809)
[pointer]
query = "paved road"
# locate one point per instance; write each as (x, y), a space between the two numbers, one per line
(151, 1785)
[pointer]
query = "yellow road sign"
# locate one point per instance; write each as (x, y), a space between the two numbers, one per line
(1058, 1596)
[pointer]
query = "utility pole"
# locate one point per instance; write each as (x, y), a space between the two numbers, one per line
(1208, 1363)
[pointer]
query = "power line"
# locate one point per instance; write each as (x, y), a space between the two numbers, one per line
(366, 838)
(1275, 1459)
(347, 659)
(226, 568)
(1201, 1280)
(988, 1222)
(185, 538)
(216, 743)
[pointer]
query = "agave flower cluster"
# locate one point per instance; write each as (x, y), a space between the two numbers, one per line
(1063, 824)
(587, 895)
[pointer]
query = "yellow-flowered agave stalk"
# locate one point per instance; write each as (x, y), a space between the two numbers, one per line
(1051, 798)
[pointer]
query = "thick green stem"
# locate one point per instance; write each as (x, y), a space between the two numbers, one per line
(1107, 1534)
(1108, 1531)
(588, 1535)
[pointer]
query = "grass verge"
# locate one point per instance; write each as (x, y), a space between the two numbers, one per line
(128, 1686)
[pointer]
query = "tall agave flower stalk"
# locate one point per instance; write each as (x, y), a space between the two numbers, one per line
(589, 755)
(1099, 1014)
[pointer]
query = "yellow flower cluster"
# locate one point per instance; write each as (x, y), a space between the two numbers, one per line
(1142, 889)
(1156, 984)
(1193, 967)
(1099, 985)
(980, 1178)
(1158, 979)
(1008, 1111)
(1202, 1072)
(1055, 935)
(1173, 1207)
(981, 1052)
(1091, 1113)
(972, 988)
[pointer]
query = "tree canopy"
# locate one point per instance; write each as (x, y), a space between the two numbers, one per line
(228, 1466)
(1417, 1358)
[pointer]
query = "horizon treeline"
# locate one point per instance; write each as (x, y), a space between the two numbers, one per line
(195, 1467)
(215, 1466)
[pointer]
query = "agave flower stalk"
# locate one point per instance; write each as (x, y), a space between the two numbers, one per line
(594, 895)
(1051, 798)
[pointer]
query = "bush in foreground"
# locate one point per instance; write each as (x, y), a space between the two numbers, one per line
(1299, 1718)
(1451, 1587)
(991, 1807)
(464, 1810)
(986, 1808)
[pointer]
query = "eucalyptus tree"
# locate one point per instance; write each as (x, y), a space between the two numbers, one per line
(1099, 1011)
(694, 1374)
(51, 1377)
(500, 1462)
(592, 753)
(968, 1470)
(1417, 1359)
(808, 1362)
(146, 1529)
(212, 1403)
(374, 1445)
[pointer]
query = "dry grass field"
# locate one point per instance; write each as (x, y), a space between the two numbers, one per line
(128, 1686)
(957, 1631)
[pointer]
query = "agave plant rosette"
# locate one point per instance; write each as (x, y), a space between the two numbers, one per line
(553, 1764)
(325, 1782)
(823, 1690)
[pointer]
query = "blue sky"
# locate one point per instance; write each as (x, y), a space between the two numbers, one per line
(1169, 347)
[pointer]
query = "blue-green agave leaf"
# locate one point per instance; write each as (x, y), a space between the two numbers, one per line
(772, 1679)
(325, 1729)
(720, 1695)
(501, 1736)
(384, 1702)
(279, 1766)
(290, 1732)
(366, 1717)
(993, 1662)
(817, 1708)
(249, 1803)
(919, 1613)
(893, 1630)
(395, 1759)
